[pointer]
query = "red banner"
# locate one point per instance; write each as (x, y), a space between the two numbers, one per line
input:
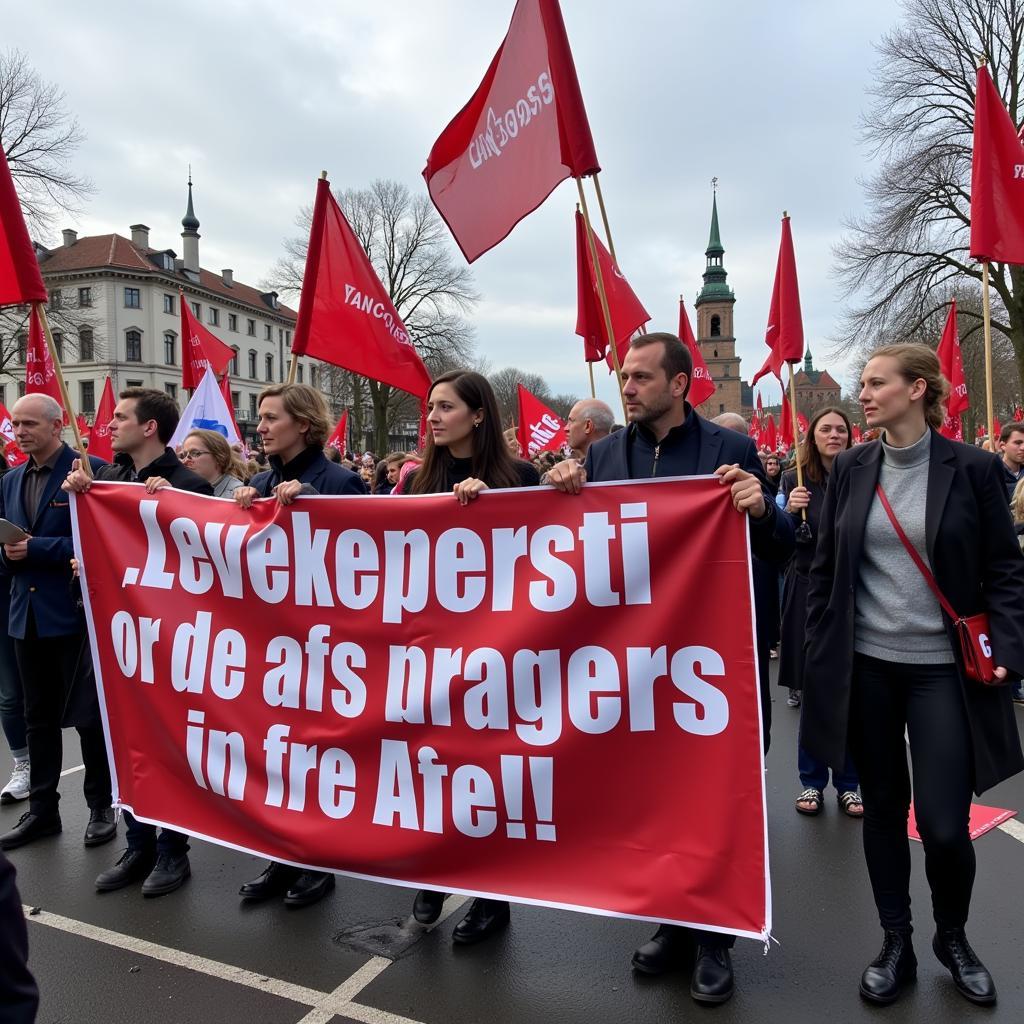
(510, 704)
(20, 278)
(702, 387)
(540, 429)
(952, 367)
(40, 375)
(13, 455)
(339, 439)
(99, 437)
(200, 350)
(784, 334)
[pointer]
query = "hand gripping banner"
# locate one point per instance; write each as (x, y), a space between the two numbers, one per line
(538, 696)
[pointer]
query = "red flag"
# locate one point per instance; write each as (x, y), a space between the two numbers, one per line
(13, 455)
(980, 432)
(523, 132)
(40, 376)
(997, 428)
(997, 179)
(20, 279)
(785, 332)
(627, 312)
(225, 390)
(99, 438)
(702, 387)
(856, 434)
(801, 422)
(756, 422)
(771, 439)
(540, 430)
(338, 438)
(786, 426)
(345, 315)
(1018, 414)
(83, 427)
(952, 367)
(200, 349)
(422, 442)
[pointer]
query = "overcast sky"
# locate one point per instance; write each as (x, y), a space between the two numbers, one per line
(260, 96)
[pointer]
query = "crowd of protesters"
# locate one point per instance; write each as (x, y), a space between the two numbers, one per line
(866, 654)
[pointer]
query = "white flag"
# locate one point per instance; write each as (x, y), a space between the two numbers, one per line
(207, 410)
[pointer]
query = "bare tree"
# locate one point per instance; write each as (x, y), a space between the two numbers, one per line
(409, 247)
(505, 384)
(900, 260)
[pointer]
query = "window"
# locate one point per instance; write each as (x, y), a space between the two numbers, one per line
(168, 303)
(171, 389)
(22, 346)
(268, 332)
(169, 348)
(85, 347)
(716, 353)
(232, 322)
(314, 376)
(56, 300)
(133, 383)
(87, 397)
(269, 374)
(197, 310)
(252, 363)
(3, 394)
(299, 373)
(716, 326)
(236, 401)
(85, 296)
(234, 362)
(288, 337)
(721, 407)
(280, 335)
(725, 370)
(133, 347)
(132, 298)
(21, 389)
(250, 329)
(253, 411)
(58, 344)
(213, 317)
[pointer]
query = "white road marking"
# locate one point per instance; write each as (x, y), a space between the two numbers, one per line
(1012, 827)
(71, 771)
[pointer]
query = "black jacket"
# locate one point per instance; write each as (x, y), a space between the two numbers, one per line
(978, 566)
(310, 467)
(168, 466)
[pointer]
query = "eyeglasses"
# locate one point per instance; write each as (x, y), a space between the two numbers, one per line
(192, 455)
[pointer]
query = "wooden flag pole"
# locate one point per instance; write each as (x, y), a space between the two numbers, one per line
(602, 296)
(293, 362)
(986, 310)
(796, 435)
(65, 398)
(590, 367)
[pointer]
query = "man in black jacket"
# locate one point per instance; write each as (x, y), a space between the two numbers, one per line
(144, 421)
(665, 437)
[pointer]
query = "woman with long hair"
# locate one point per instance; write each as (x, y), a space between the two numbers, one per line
(465, 455)
(884, 663)
(828, 434)
(208, 453)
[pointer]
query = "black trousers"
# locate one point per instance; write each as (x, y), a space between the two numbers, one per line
(927, 702)
(48, 666)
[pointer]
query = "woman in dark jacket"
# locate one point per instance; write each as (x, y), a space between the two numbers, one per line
(828, 434)
(883, 660)
(465, 455)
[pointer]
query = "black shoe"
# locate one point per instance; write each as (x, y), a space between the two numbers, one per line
(102, 826)
(427, 906)
(169, 873)
(133, 866)
(662, 951)
(30, 827)
(485, 917)
(309, 887)
(896, 966)
(275, 881)
(971, 978)
(712, 981)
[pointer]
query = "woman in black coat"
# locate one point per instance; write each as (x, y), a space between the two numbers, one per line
(882, 659)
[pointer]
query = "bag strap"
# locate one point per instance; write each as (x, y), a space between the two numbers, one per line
(913, 552)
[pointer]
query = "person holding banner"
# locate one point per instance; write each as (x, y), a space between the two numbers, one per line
(885, 665)
(465, 455)
(294, 426)
(666, 437)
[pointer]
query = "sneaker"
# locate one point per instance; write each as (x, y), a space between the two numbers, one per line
(17, 787)
(793, 700)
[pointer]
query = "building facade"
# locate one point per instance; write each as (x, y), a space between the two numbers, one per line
(815, 389)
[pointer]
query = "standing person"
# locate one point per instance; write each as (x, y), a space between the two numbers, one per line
(1011, 447)
(773, 473)
(828, 434)
(1017, 511)
(208, 454)
(666, 437)
(48, 628)
(465, 455)
(294, 425)
(884, 661)
(144, 421)
(588, 421)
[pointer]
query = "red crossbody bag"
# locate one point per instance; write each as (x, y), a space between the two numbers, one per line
(973, 633)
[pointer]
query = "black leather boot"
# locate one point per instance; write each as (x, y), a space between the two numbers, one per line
(427, 906)
(970, 976)
(275, 880)
(896, 966)
(662, 951)
(485, 917)
(712, 981)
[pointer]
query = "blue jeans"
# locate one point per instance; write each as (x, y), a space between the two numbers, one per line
(12, 700)
(814, 773)
(145, 837)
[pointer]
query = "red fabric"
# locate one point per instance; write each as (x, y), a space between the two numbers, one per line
(540, 430)
(951, 364)
(99, 438)
(784, 335)
(786, 438)
(40, 375)
(13, 455)
(225, 390)
(563, 662)
(997, 179)
(757, 422)
(1018, 414)
(702, 387)
(20, 278)
(771, 439)
(83, 426)
(345, 315)
(856, 434)
(523, 132)
(802, 423)
(982, 819)
(997, 428)
(338, 438)
(980, 431)
(200, 349)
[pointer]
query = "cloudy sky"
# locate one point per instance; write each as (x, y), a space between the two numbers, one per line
(260, 96)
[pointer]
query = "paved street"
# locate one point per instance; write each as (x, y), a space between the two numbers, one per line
(198, 955)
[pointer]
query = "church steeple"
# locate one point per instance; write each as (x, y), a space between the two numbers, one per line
(190, 236)
(808, 362)
(715, 288)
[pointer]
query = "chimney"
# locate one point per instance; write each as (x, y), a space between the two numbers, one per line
(70, 236)
(140, 236)
(228, 276)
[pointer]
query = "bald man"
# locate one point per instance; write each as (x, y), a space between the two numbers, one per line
(732, 421)
(588, 421)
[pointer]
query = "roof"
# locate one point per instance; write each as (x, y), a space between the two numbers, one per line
(96, 252)
(815, 379)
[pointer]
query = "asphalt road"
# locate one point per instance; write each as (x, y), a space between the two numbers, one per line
(198, 955)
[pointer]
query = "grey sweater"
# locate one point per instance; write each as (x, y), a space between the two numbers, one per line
(898, 617)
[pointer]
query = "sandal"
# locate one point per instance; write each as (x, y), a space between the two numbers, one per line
(812, 796)
(851, 804)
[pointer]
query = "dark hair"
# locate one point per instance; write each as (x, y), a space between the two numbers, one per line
(808, 454)
(492, 461)
(676, 358)
(1009, 430)
(380, 476)
(151, 404)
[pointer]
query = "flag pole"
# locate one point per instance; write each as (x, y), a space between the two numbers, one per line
(65, 398)
(590, 367)
(988, 355)
(602, 296)
(796, 435)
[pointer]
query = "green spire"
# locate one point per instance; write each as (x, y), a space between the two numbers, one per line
(715, 241)
(715, 288)
(808, 362)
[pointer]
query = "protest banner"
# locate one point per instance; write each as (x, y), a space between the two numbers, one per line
(524, 698)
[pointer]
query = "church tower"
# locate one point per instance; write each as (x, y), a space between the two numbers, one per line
(715, 336)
